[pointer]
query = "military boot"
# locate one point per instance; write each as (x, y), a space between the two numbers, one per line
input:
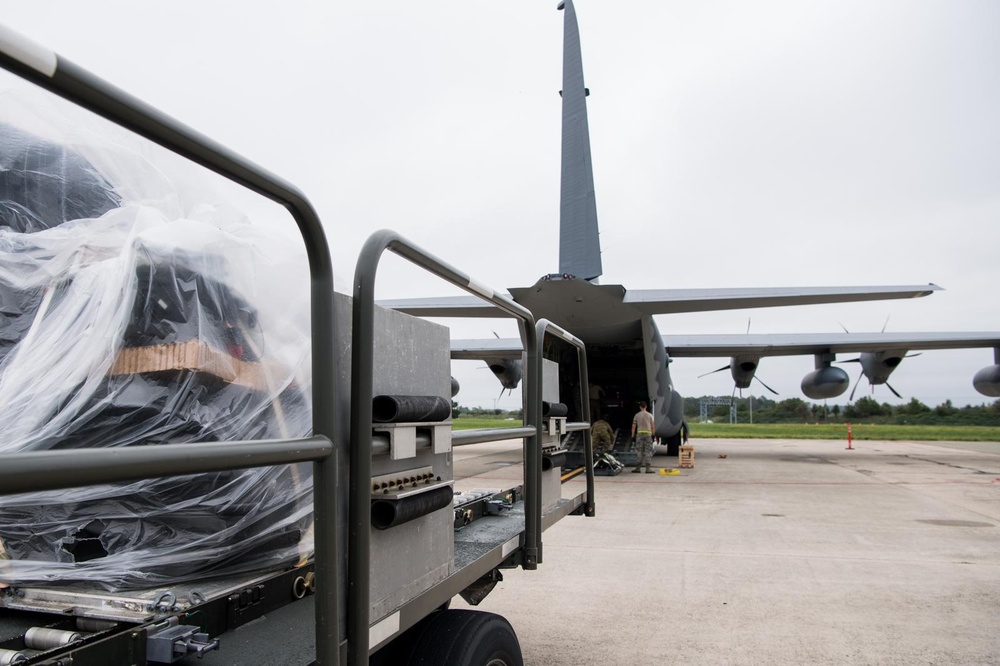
(637, 469)
(650, 470)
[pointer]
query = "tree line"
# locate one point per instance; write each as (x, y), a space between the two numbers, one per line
(458, 410)
(865, 409)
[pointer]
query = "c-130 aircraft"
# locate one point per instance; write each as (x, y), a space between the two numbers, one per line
(627, 357)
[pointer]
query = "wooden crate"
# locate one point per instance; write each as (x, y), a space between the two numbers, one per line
(686, 457)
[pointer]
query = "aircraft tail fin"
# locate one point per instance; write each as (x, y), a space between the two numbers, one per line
(579, 243)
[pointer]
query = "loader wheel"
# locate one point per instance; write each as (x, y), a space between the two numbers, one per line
(465, 638)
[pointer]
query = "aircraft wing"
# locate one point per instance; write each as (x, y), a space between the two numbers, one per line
(671, 301)
(487, 349)
(682, 346)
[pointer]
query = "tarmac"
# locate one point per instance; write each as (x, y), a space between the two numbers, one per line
(783, 552)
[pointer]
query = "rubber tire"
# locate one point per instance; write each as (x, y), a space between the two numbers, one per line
(673, 444)
(463, 637)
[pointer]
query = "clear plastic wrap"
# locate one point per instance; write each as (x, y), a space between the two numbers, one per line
(136, 312)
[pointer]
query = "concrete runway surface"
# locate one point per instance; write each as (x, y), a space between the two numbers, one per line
(784, 552)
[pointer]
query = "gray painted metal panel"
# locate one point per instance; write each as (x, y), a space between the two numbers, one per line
(411, 358)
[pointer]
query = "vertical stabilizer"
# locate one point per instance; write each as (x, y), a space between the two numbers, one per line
(579, 246)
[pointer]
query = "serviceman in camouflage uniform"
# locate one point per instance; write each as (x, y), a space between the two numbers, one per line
(642, 432)
(602, 437)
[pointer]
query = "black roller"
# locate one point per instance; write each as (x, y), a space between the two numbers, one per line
(554, 409)
(554, 460)
(410, 408)
(388, 513)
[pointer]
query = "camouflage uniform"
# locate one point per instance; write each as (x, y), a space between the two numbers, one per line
(602, 437)
(642, 428)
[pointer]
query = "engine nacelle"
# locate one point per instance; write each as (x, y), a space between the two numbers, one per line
(508, 371)
(879, 365)
(455, 387)
(987, 381)
(743, 368)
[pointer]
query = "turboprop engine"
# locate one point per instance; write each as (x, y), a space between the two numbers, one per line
(987, 380)
(744, 370)
(508, 371)
(825, 381)
(877, 366)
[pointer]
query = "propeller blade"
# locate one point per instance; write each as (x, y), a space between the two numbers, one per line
(765, 385)
(748, 325)
(850, 360)
(725, 367)
(912, 355)
(886, 323)
(894, 391)
(843, 327)
(856, 384)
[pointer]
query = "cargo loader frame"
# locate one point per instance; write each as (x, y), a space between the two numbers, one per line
(53, 470)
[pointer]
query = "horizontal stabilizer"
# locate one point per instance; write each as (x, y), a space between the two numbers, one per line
(673, 301)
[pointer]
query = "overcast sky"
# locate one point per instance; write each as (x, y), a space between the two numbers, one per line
(755, 144)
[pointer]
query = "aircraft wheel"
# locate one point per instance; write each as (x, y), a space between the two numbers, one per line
(466, 638)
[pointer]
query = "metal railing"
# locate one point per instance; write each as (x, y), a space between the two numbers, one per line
(533, 466)
(44, 68)
(362, 390)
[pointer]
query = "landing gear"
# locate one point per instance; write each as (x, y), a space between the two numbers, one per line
(463, 637)
(673, 445)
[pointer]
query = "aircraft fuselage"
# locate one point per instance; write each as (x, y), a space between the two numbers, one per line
(626, 356)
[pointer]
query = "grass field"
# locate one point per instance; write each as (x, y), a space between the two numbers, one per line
(801, 431)
(470, 422)
(839, 431)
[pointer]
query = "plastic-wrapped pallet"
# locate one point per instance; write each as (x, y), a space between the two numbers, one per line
(134, 312)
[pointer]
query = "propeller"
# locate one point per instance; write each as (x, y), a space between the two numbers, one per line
(867, 358)
(725, 367)
(765, 385)
(857, 382)
(747, 365)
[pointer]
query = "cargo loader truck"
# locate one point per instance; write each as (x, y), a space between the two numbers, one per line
(174, 491)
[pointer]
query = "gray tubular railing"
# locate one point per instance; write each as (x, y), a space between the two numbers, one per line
(362, 389)
(45, 69)
(533, 505)
(480, 435)
(72, 468)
